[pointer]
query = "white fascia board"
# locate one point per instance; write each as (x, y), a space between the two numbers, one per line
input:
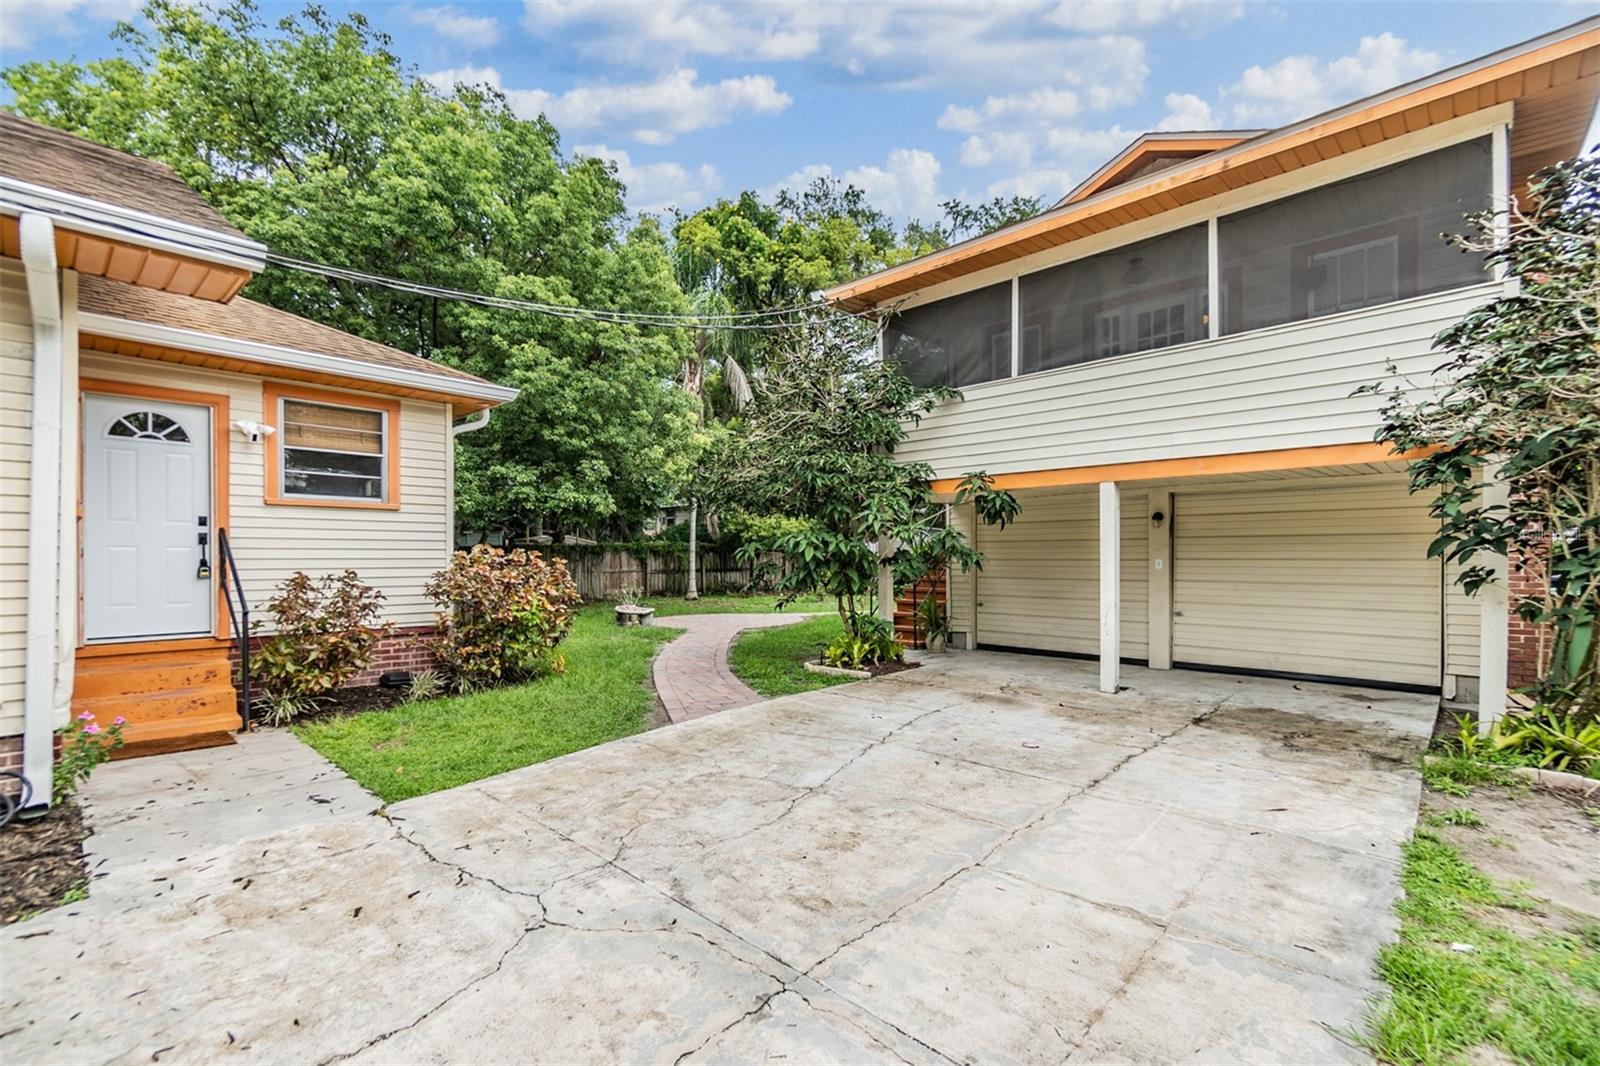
(292, 358)
(95, 217)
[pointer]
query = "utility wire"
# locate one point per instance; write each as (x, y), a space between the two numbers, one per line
(766, 320)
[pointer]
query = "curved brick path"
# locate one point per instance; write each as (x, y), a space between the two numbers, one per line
(691, 673)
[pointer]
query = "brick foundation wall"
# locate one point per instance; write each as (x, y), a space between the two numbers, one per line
(404, 649)
(11, 762)
(1525, 577)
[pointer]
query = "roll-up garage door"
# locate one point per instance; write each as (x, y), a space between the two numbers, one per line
(1040, 583)
(1327, 581)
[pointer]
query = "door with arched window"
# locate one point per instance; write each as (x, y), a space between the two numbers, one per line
(147, 535)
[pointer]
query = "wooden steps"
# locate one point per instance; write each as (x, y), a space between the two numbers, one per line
(907, 626)
(173, 699)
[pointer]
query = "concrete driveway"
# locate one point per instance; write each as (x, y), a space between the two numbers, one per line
(981, 860)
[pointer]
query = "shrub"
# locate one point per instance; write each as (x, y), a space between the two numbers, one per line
(503, 613)
(84, 746)
(325, 630)
(874, 644)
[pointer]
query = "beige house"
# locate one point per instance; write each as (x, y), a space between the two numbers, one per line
(1163, 367)
(158, 427)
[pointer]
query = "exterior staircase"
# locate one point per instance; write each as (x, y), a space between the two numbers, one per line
(174, 699)
(907, 624)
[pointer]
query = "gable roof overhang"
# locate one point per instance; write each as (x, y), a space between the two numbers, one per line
(1152, 148)
(1553, 82)
(108, 240)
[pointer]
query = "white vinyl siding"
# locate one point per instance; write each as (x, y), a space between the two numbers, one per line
(1327, 580)
(1285, 387)
(958, 583)
(1040, 583)
(16, 408)
(1462, 624)
(393, 550)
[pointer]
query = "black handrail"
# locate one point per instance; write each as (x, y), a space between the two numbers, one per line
(239, 617)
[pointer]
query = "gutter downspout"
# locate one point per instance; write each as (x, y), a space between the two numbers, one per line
(476, 422)
(37, 237)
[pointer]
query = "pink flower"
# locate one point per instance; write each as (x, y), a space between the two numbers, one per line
(85, 717)
(119, 720)
(91, 729)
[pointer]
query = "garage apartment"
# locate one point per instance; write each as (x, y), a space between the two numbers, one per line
(1322, 574)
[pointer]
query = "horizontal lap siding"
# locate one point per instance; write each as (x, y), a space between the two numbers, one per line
(1462, 624)
(394, 551)
(16, 407)
(1331, 580)
(1040, 583)
(1286, 387)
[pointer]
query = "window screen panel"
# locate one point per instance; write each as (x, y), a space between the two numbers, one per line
(1369, 240)
(958, 341)
(332, 451)
(1132, 299)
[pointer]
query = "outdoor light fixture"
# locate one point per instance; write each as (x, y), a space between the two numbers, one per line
(1158, 518)
(256, 431)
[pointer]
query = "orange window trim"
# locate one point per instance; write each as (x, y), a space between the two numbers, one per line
(272, 392)
(1199, 466)
(218, 403)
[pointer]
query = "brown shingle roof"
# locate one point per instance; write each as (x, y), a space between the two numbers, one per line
(41, 155)
(247, 320)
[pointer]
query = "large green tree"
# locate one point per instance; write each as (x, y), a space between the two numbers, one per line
(310, 136)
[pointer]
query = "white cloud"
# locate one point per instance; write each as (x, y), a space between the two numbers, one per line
(1186, 111)
(905, 186)
(24, 23)
(456, 24)
(650, 113)
(1115, 16)
(1038, 106)
(912, 44)
(656, 188)
(1300, 85)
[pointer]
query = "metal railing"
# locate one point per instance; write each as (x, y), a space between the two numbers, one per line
(239, 618)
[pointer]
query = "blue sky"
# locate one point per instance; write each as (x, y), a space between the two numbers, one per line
(916, 102)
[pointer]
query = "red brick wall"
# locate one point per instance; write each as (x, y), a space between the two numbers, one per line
(11, 761)
(1525, 578)
(404, 649)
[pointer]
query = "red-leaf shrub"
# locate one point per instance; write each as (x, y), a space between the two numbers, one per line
(324, 632)
(503, 613)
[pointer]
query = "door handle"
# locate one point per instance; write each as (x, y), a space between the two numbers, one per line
(203, 571)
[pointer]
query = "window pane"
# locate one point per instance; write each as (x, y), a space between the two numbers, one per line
(332, 451)
(305, 484)
(960, 341)
(1142, 296)
(1369, 240)
(300, 459)
(346, 429)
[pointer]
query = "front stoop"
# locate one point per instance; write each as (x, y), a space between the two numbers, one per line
(173, 700)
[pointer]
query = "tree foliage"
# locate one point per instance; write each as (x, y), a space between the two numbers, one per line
(1524, 392)
(310, 136)
(817, 447)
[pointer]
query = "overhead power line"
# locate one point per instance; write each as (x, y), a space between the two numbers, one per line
(770, 319)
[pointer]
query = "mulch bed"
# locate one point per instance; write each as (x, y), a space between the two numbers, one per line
(41, 861)
(879, 669)
(348, 701)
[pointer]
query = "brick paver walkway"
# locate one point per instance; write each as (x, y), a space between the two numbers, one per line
(692, 675)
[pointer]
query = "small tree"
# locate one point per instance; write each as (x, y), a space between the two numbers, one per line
(1524, 389)
(817, 444)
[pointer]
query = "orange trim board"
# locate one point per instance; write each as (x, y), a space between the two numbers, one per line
(1163, 469)
(219, 472)
(272, 392)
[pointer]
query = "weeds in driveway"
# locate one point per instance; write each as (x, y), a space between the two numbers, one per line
(1465, 987)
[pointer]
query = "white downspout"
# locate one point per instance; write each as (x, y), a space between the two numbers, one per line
(37, 237)
(476, 422)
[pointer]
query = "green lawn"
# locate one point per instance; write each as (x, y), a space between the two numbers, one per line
(423, 747)
(727, 603)
(771, 660)
(1519, 997)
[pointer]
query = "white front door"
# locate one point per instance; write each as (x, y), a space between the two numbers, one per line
(146, 505)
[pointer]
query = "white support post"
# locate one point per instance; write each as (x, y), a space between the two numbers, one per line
(1494, 623)
(1500, 194)
(1110, 586)
(1016, 327)
(1213, 281)
(1160, 580)
(887, 546)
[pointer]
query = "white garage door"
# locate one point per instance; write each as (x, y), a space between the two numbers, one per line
(1040, 583)
(1332, 581)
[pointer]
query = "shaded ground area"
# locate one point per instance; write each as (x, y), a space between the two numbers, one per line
(983, 859)
(41, 862)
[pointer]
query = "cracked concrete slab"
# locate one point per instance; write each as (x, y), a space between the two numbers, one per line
(981, 859)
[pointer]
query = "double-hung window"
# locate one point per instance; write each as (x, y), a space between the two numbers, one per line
(332, 450)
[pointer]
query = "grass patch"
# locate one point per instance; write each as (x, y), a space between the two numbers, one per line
(1458, 774)
(727, 603)
(422, 747)
(1535, 998)
(771, 661)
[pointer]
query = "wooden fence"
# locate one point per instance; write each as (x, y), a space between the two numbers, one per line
(604, 574)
